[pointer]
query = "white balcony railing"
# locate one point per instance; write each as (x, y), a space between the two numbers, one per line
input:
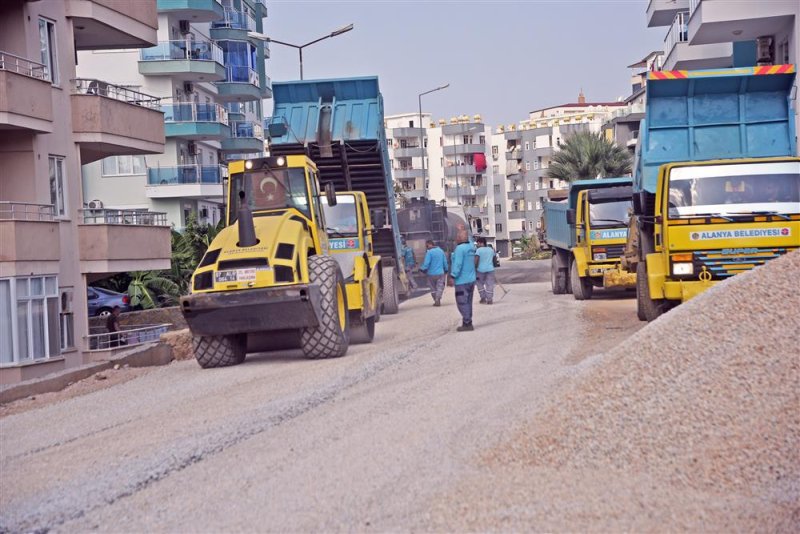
(12, 63)
(84, 86)
(127, 337)
(236, 20)
(693, 4)
(25, 211)
(678, 32)
(132, 217)
(247, 129)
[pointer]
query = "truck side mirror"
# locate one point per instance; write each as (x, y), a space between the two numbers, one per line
(330, 193)
(570, 216)
(378, 217)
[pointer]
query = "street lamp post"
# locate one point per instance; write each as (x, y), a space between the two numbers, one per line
(422, 137)
(334, 33)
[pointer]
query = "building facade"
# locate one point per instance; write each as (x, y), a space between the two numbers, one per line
(211, 77)
(51, 123)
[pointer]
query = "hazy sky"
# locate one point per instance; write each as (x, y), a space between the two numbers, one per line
(502, 58)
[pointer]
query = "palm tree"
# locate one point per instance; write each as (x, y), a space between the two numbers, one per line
(586, 156)
(149, 289)
(188, 248)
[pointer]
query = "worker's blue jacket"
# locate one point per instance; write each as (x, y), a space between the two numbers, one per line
(463, 264)
(408, 256)
(435, 262)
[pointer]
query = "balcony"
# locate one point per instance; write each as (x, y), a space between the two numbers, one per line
(516, 234)
(662, 12)
(190, 120)
(464, 148)
(512, 135)
(112, 24)
(110, 120)
(680, 55)
(461, 191)
(715, 21)
(185, 181)
(193, 10)
(479, 190)
(246, 137)
(513, 169)
(241, 84)
(400, 174)
(30, 237)
(516, 194)
(474, 211)
(516, 214)
(413, 133)
(25, 100)
(514, 155)
(115, 241)
(233, 26)
(462, 128)
(186, 60)
(460, 170)
(408, 152)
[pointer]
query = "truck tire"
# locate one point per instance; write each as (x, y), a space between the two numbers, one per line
(558, 282)
(391, 297)
(581, 287)
(219, 351)
(330, 338)
(363, 332)
(651, 308)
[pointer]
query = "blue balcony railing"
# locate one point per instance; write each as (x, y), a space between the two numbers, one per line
(236, 20)
(192, 49)
(247, 129)
(242, 74)
(186, 174)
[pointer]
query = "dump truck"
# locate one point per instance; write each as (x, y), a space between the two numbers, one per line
(716, 187)
(338, 124)
(267, 280)
(350, 241)
(586, 233)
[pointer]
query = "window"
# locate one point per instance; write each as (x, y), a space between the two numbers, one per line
(57, 181)
(441, 141)
(410, 124)
(29, 319)
(536, 184)
(124, 165)
(482, 139)
(495, 169)
(550, 140)
(534, 143)
(527, 145)
(529, 205)
(498, 208)
(498, 227)
(529, 186)
(536, 164)
(47, 46)
(388, 143)
(494, 150)
(467, 139)
(496, 188)
(527, 165)
(538, 204)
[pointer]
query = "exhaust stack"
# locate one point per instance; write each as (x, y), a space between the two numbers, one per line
(247, 230)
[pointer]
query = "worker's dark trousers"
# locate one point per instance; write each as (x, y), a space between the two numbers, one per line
(437, 282)
(464, 294)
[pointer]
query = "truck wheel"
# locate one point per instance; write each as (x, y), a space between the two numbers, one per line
(558, 282)
(581, 287)
(330, 338)
(219, 351)
(363, 332)
(651, 309)
(391, 297)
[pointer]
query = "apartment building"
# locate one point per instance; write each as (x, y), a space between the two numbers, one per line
(211, 78)
(407, 139)
(497, 196)
(530, 146)
(51, 123)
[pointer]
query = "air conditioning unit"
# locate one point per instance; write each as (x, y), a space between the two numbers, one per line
(191, 146)
(765, 52)
(95, 204)
(183, 27)
(66, 300)
(188, 87)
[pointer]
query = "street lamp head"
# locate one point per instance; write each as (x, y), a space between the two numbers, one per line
(343, 29)
(445, 86)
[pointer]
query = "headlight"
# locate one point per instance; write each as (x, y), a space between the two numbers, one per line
(599, 256)
(682, 268)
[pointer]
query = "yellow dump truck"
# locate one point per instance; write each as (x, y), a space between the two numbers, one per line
(268, 279)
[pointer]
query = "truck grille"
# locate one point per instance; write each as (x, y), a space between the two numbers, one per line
(724, 263)
(612, 251)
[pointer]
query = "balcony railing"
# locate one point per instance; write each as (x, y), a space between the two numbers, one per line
(132, 217)
(25, 211)
(693, 4)
(192, 49)
(242, 74)
(678, 32)
(186, 174)
(194, 112)
(247, 129)
(19, 65)
(235, 20)
(85, 86)
(128, 336)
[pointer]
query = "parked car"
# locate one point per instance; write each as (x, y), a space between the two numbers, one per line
(102, 301)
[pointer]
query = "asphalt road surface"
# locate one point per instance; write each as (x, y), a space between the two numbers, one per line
(280, 443)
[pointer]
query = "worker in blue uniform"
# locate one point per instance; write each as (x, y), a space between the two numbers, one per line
(463, 273)
(435, 267)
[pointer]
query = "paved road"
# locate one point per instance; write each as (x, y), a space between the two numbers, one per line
(365, 442)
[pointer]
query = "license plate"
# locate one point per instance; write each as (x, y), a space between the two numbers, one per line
(239, 275)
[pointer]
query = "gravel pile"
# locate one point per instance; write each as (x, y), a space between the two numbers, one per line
(692, 423)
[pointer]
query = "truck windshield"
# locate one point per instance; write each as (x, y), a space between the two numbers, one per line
(611, 213)
(342, 219)
(270, 189)
(739, 189)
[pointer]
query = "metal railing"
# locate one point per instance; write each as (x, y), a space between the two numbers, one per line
(693, 5)
(20, 65)
(25, 211)
(194, 112)
(128, 336)
(242, 74)
(86, 86)
(192, 49)
(186, 174)
(678, 32)
(247, 129)
(235, 20)
(131, 217)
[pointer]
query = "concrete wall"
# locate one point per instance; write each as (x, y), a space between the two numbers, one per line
(25, 102)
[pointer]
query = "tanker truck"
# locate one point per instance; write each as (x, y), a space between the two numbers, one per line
(716, 188)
